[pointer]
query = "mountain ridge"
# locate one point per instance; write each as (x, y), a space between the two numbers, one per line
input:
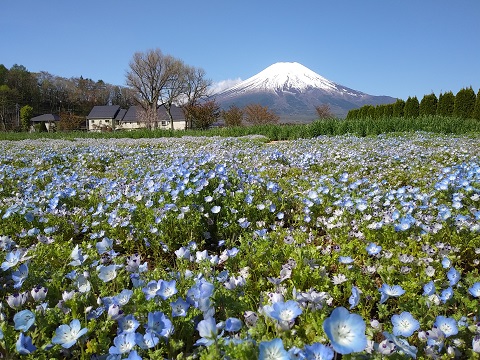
(292, 91)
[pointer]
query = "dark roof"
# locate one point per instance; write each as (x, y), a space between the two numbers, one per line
(120, 114)
(46, 118)
(104, 112)
(177, 114)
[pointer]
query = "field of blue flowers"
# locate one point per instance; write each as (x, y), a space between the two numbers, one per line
(234, 248)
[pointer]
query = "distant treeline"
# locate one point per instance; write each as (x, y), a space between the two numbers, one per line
(47, 93)
(464, 105)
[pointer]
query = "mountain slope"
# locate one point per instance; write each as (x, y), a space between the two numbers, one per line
(292, 91)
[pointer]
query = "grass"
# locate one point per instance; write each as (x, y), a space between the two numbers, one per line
(359, 127)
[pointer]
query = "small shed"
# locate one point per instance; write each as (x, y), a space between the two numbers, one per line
(48, 119)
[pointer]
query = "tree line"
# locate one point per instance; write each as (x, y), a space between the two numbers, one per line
(46, 93)
(465, 105)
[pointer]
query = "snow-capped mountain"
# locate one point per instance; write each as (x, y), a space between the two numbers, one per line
(293, 90)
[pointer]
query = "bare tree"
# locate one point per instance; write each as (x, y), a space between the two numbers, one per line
(204, 114)
(175, 87)
(150, 73)
(323, 111)
(257, 114)
(233, 116)
(196, 88)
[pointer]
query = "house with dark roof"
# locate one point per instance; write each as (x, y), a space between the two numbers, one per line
(49, 120)
(112, 117)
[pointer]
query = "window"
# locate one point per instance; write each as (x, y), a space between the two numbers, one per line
(164, 123)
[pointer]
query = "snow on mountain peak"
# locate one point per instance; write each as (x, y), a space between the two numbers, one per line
(284, 76)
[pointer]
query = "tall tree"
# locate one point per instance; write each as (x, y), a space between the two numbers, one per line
(204, 114)
(257, 114)
(411, 109)
(398, 108)
(476, 110)
(148, 76)
(445, 104)
(324, 111)
(26, 113)
(196, 89)
(233, 116)
(428, 105)
(464, 103)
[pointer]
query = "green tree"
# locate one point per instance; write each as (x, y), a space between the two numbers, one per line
(388, 110)
(445, 104)
(476, 110)
(412, 107)
(398, 108)
(464, 103)
(26, 113)
(428, 105)
(379, 111)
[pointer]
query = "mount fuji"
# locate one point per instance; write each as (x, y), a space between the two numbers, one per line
(292, 91)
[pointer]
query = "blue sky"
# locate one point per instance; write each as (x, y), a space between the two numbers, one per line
(381, 47)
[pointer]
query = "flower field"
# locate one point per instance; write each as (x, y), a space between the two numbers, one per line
(233, 248)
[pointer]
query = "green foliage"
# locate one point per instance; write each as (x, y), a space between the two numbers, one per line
(476, 110)
(428, 105)
(398, 108)
(464, 103)
(446, 103)
(26, 113)
(411, 109)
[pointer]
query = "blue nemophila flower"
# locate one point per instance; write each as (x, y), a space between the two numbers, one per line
(446, 262)
(373, 249)
(402, 345)
(453, 276)
(474, 290)
(404, 324)
(123, 343)
(233, 324)
(273, 350)
(67, 335)
(77, 257)
(318, 351)
(16, 301)
(216, 209)
(39, 293)
(167, 289)
(127, 324)
(387, 291)
(124, 297)
(354, 299)
(447, 325)
(20, 275)
(104, 246)
(13, 258)
(345, 260)
(23, 320)
(179, 307)
(24, 345)
(476, 343)
(147, 341)
(151, 289)
(83, 285)
(159, 324)
(208, 331)
(345, 331)
(107, 273)
(429, 288)
(446, 294)
(283, 311)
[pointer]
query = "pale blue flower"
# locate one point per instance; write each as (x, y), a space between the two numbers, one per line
(318, 351)
(147, 341)
(447, 325)
(123, 343)
(127, 324)
(233, 324)
(446, 262)
(345, 260)
(67, 335)
(107, 273)
(404, 324)
(387, 291)
(77, 257)
(373, 249)
(11, 259)
(159, 324)
(39, 293)
(273, 350)
(354, 299)
(24, 345)
(179, 307)
(283, 311)
(208, 331)
(402, 345)
(345, 331)
(124, 297)
(151, 289)
(446, 294)
(23, 320)
(16, 301)
(215, 209)
(83, 285)
(429, 288)
(453, 276)
(20, 275)
(167, 289)
(474, 290)
(476, 343)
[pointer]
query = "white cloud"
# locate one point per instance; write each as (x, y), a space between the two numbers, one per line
(224, 85)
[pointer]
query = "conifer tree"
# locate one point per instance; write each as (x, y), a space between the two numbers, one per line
(464, 103)
(428, 105)
(411, 109)
(445, 104)
(388, 110)
(398, 108)
(476, 110)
